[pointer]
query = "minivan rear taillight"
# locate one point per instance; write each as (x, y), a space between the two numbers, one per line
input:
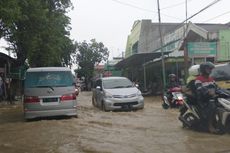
(68, 97)
(31, 99)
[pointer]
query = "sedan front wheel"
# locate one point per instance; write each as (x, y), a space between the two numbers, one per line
(103, 107)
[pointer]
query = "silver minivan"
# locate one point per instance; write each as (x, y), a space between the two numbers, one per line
(49, 91)
(116, 93)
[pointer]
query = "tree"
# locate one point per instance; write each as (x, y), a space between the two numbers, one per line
(38, 31)
(9, 12)
(88, 55)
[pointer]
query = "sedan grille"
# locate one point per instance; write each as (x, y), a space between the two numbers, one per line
(124, 104)
(124, 96)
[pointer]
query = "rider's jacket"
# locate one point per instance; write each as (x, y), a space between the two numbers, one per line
(202, 84)
(172, 84)
(202, 81)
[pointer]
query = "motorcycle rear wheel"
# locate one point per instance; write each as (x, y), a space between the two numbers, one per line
(215, 125)
(191, 119)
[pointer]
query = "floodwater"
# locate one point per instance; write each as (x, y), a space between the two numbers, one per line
(151, 130)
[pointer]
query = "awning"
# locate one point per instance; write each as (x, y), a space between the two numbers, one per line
(138, 59)
(4, 59)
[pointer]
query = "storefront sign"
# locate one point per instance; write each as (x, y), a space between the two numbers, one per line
(202, 49)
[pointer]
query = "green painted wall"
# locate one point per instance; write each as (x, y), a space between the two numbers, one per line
(133, 38)
(224, 46)
(113, 70)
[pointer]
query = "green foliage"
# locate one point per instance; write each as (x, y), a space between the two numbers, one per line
(37, 30)
(9, 12)
(88, 55)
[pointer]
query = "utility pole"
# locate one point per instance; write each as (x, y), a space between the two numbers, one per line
(185, 42)
(144, 76)
(161, 41)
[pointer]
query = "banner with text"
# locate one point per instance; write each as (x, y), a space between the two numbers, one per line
(202, 49)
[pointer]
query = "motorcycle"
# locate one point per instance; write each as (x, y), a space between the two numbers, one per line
(217, 123)
(173, 98)
(77, 89)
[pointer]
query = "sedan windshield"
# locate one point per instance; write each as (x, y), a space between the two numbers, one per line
(117, 83)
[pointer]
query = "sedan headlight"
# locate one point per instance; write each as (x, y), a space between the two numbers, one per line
(108, 95)
(139, 93)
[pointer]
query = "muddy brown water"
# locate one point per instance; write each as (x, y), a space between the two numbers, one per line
(151, 130)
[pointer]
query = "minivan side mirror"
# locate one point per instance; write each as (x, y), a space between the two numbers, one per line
(98, 87)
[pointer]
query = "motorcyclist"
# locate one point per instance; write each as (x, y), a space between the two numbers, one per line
(172, 81)
(190, 89)
(193, 72)
(171, 84)
(203, 82)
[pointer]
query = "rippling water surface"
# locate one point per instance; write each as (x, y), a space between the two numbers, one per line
(151, 130)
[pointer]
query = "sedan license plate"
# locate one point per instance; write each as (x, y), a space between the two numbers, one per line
(127, 107)
(50, 100)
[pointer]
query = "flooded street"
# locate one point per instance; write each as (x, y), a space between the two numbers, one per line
(151, 130)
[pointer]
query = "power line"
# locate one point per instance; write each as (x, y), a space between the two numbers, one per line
(175, 5)
(211, 4)
(133, 6)
(203, 9)
(217, 16)
(143, 9)
(170, 16)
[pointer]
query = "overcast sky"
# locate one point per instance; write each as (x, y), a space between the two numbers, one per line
(110, 21)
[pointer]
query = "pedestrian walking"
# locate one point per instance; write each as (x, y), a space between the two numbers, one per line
(1, 87)
(8, 90)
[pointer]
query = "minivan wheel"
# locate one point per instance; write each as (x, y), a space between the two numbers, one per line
(75, 116)
(28, 120)
(93, 101)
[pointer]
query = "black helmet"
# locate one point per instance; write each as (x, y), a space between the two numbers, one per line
(172, 76)
(205, 66)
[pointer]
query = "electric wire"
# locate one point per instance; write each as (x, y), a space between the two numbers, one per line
(217, 16)
(211, 4)
(133, 6)
(203, 9)
(175, 5)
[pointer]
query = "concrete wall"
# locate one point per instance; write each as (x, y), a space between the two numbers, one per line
(133, 38)
(146, 34)
(224, 46)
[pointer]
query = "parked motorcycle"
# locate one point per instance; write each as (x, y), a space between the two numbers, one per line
(218, 123)
(173, 98)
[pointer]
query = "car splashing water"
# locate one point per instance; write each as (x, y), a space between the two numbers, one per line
(152, 129)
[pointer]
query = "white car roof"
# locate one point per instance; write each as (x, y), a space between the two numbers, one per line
(44, 69)
(112, 78)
